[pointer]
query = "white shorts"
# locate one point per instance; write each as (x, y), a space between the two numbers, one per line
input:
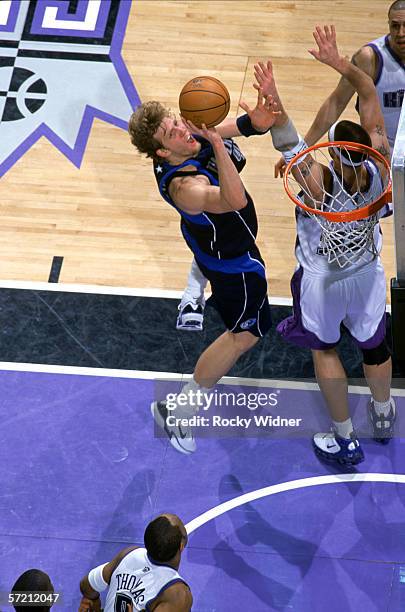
(321, 304)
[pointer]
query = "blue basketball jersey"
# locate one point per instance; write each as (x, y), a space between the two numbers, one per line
(213, 238)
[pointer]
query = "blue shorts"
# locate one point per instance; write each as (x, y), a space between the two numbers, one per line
(240, 298)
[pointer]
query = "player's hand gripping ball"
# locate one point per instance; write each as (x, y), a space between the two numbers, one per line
(204, 99)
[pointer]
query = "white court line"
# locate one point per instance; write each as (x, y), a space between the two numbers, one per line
(111, 290)
(130, 291)
(162, 376)
(288, 486)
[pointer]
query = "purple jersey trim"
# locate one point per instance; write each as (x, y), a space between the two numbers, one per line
(292, 328)
(379, 60)
(376, 339)
(153, 562)
(166, 586)
(393, 54)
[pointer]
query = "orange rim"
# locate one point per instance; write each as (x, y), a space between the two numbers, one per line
(350, 215)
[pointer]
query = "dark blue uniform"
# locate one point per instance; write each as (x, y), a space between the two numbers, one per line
(224, 245)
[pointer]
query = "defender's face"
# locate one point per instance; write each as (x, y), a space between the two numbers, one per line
(176, 138)
(396, 21)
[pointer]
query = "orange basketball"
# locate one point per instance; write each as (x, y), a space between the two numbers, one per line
(204, 100)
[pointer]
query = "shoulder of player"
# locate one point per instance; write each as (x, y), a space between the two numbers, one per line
(177, 596)
(114, 563)
(365, 59)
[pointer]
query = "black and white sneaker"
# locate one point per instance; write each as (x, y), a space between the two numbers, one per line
(191, 316)
(383, 426)
(332, 447)
(181, 438)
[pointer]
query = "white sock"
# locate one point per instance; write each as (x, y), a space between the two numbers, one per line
(196, 283)
(384, 407)
(196, 400)
(343, 428)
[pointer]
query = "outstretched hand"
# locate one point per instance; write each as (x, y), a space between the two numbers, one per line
(265, 79)
(266, 111)
(327, 51)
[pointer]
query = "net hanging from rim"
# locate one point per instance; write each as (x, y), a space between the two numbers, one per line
(347, 213)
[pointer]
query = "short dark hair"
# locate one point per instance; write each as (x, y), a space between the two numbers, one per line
(398, 5)
(162, 539)
(352, 132)
(33, 580)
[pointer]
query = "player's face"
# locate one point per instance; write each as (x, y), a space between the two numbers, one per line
(176, 138)
(397, 31)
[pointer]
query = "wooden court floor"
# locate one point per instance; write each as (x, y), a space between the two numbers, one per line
(106, 219)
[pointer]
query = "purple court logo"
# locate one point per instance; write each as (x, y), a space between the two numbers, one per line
(60, 67)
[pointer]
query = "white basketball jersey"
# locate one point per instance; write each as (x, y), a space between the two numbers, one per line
(310, 249)
(390, 85)
(138, 581)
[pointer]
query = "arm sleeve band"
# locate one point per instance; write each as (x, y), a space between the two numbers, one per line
(245, 127)
(96, 579)
(285, 137)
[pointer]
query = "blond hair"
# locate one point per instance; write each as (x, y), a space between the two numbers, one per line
(143, 125)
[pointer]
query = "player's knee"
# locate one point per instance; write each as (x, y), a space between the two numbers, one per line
(244, 341)
(378, 355)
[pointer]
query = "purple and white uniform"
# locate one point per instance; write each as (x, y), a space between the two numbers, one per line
(390, 85)
(326, 295)
(138, 581)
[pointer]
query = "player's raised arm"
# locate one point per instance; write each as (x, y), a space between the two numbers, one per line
(308, 172)
(371, 117)
(195, 195)
(256, 121)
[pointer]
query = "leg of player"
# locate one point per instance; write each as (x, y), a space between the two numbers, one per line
(341, 444)
(191, 307)
(214, 363)
(377, 367)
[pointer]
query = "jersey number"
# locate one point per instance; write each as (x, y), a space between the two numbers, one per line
(121, 602)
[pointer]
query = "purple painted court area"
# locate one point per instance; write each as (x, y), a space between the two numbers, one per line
(82, 474)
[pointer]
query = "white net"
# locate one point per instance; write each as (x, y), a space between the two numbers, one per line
(353, 182)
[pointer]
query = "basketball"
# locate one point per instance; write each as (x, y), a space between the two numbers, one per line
(204, 99)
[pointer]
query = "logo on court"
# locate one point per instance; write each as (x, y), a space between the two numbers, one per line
(248, 323)
(60, 67)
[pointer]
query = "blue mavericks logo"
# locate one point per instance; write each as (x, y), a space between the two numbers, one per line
(248, 323)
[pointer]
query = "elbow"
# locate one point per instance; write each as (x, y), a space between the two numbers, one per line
(238, 203)
(242, 205)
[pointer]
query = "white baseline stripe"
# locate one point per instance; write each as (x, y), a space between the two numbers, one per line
(152, 375)
(288, 486)
(80, 371)
(111, 290)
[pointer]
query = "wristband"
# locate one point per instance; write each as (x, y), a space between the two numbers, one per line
(96, 579)
(245, 127)
(291, 153)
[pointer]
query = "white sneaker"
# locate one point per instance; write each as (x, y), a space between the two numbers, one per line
(191, 316)
(181, 438)
(332, 447)
(383, 426)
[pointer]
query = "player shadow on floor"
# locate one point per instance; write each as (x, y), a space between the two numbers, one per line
(225, 558)
(126, 526)
(254, 529)
(377, 513)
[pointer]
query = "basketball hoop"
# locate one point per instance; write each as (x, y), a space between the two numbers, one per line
(347, 220)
